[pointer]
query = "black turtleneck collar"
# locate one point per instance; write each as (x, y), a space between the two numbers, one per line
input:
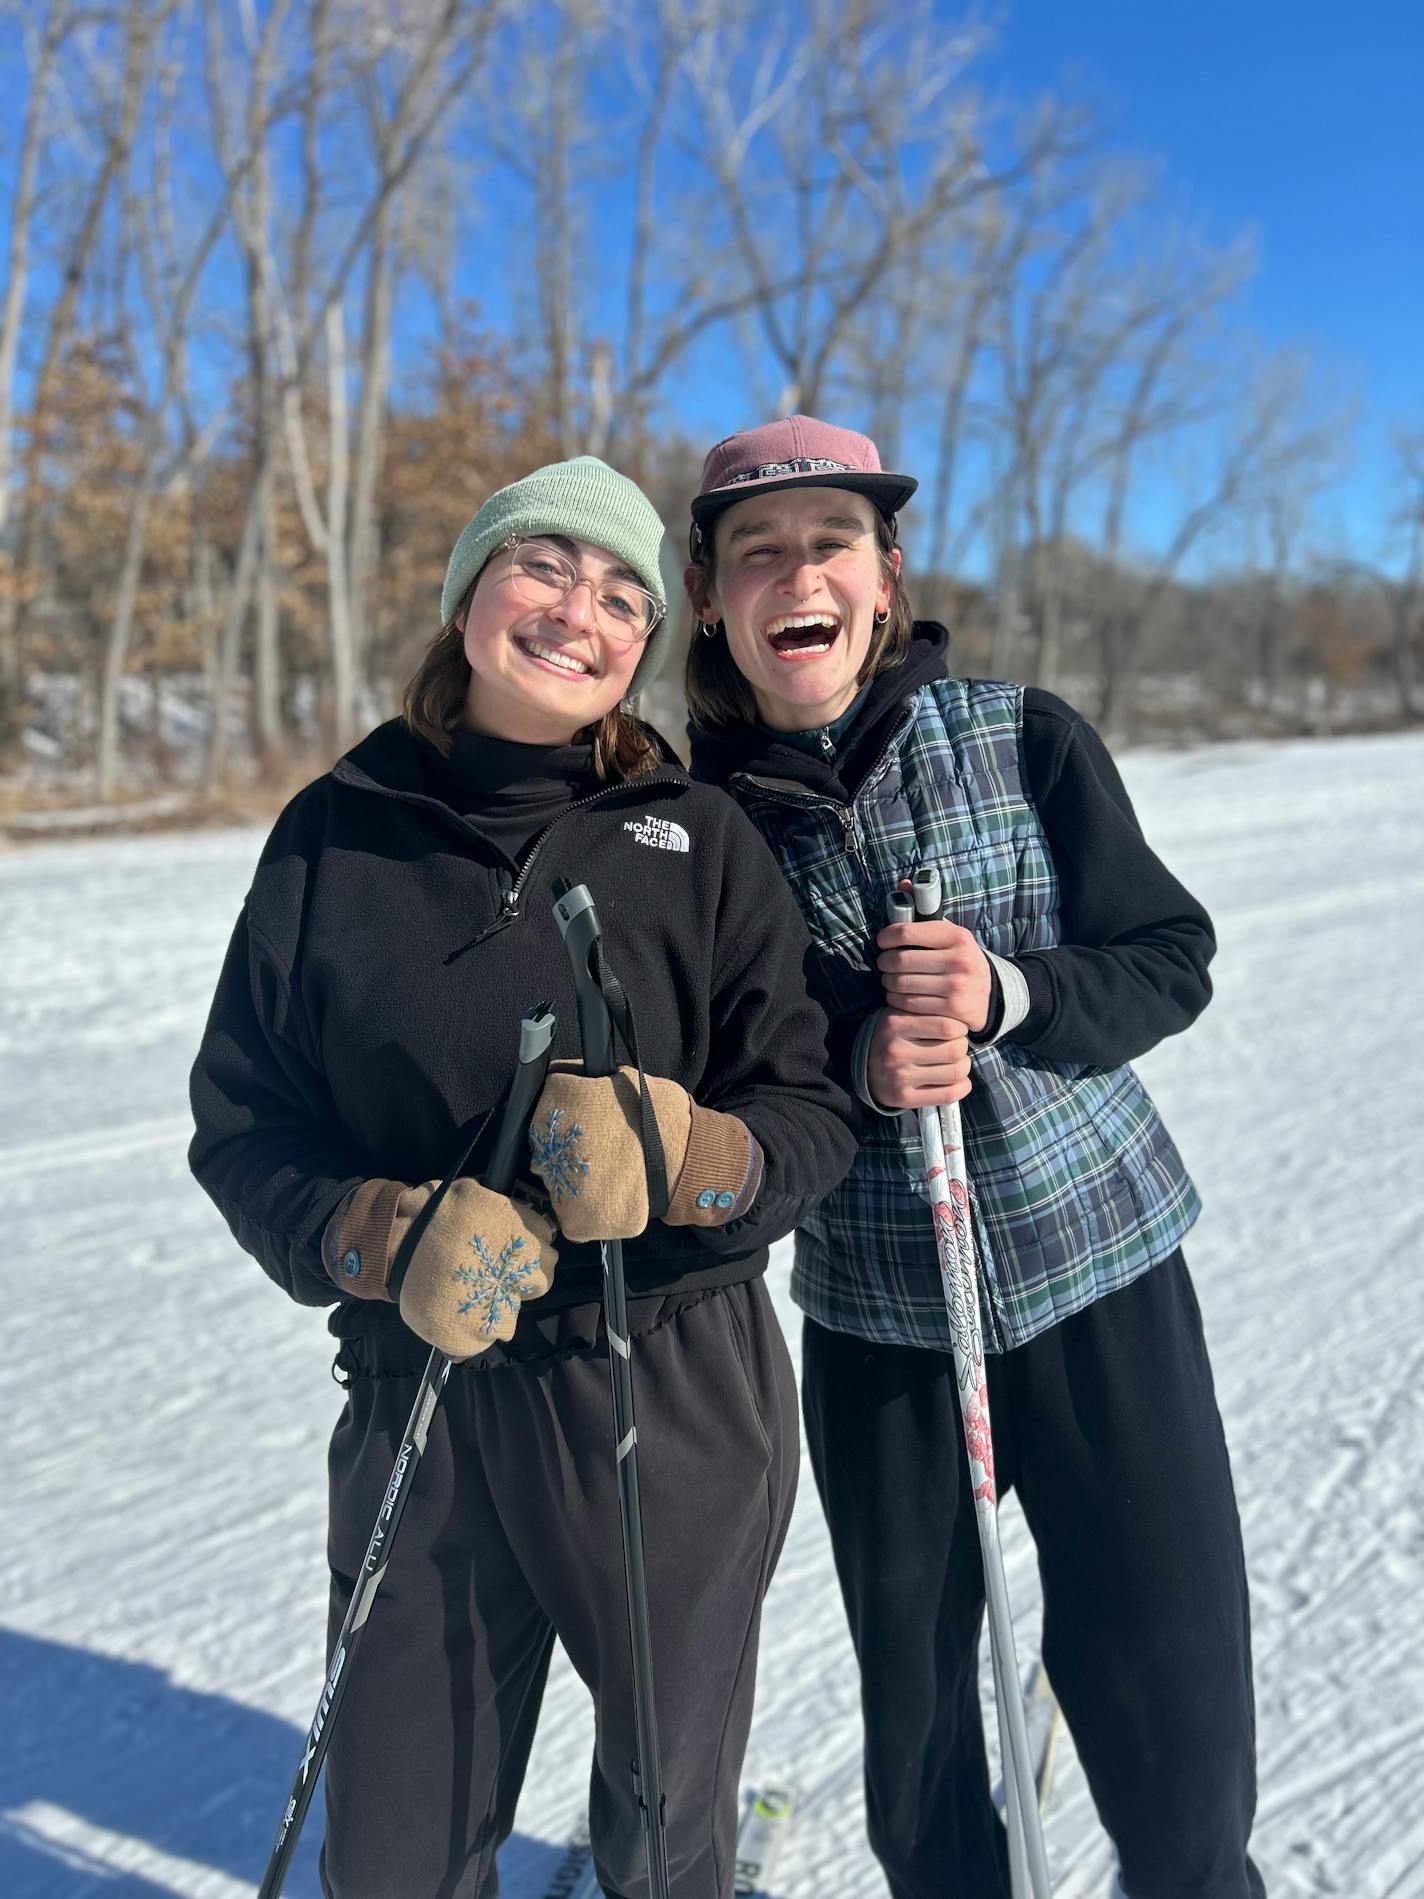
(510, 773)
(718, 751)
(511, 792)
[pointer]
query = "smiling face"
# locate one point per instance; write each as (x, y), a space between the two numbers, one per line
(539, 674)
(797, 584)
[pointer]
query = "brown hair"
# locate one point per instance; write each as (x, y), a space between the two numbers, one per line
(717, 694)
(623, 747)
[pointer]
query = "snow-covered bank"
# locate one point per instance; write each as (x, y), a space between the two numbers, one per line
(162, 1601)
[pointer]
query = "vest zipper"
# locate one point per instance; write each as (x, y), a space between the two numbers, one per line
(843, 813)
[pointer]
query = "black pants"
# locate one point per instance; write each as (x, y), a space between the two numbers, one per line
(511, 1536)
(1107, 1427)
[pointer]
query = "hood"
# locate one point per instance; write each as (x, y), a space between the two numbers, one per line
(718, 751)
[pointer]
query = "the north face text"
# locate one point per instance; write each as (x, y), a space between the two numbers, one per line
(661, 833)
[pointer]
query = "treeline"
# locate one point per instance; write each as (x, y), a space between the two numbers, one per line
(292, 284)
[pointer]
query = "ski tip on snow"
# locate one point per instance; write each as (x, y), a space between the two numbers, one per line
(762, 1835)
(766, 1818)
(574, 1876)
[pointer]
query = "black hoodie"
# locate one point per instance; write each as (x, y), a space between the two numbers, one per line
(367, 1015)
(1132, 965)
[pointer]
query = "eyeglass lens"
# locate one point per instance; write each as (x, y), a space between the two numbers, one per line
(543, 576)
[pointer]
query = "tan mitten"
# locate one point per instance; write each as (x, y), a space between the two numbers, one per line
(586, 1145)
(479, 1258)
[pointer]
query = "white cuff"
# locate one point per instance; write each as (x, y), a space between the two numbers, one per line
(1014, 985)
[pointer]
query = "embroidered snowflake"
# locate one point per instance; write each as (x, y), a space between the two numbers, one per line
(496, 1285)
(554, 1157)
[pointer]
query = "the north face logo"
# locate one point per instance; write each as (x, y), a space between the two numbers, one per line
(661, 833)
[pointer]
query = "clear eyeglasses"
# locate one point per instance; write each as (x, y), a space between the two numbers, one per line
(544, 575)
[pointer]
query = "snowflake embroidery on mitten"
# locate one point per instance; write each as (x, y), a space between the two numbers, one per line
(497, 1285)
(554, 1157)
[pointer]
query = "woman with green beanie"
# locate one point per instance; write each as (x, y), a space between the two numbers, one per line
(367, 1017)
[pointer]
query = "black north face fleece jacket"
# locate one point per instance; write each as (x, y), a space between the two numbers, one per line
(367, 1014)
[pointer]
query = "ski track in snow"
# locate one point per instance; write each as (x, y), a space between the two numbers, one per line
(162, 1608)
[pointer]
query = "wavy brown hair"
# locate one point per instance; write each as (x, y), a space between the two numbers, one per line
(717, 694)
(623, 747)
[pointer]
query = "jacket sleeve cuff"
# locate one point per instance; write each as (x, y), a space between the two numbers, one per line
(1013, 993)
(860, 1065)
(355, 1245)
(721, 1173)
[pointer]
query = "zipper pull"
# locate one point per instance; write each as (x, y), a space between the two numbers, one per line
(824, 735)
(852, 836)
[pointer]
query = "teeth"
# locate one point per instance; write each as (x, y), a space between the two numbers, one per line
(565, 661)
(793, 622)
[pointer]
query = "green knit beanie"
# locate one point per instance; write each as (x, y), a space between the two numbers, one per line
(586, 500)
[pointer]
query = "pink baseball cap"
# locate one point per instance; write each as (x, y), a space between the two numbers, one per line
(796, 452)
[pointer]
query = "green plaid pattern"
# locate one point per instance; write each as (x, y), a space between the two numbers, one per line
(1076, 1185)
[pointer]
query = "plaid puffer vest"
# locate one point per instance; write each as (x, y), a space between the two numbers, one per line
(1077, 1187)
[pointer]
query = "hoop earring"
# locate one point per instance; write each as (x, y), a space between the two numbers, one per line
(880, 619)
(709, 628)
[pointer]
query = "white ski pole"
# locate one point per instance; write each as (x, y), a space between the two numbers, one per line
(942, 1138)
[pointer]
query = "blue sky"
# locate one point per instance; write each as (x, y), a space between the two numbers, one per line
(1303, 121)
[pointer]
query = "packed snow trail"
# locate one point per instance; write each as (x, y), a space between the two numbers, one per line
(162, 1591)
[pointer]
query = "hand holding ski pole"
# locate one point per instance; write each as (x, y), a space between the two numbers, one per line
(932, 967)
(536, 1038)
(941, 1134)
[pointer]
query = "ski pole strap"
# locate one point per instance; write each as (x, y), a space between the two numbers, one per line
(620, 1012)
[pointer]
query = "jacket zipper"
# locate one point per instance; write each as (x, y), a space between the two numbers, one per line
(509, 903)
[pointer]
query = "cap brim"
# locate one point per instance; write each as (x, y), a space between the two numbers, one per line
(888, 492)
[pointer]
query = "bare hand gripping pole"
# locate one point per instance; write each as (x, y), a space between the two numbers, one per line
(536, 1040)
(578, 924)
(942, 1137)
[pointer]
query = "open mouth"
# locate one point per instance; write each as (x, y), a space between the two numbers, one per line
(798, 636)
(555, 657)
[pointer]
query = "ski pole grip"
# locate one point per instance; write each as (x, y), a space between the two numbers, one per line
(899, 908)
(578, 923)
(928, 892)
(536, 1043)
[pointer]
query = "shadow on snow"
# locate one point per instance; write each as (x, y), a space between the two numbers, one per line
(149, 1769)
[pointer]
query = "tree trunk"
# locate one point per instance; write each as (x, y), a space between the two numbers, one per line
(343, 659)
(371, 440)
(16, 283)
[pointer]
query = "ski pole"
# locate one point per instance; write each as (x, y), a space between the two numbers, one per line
(536, 1037)
(579, 926)
(942, 1137)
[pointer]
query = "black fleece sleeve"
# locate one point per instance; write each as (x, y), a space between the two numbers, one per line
(770, 1063)
(268, 1147)
(1132, 965)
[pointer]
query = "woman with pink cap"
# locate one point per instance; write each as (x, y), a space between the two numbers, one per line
(1065, 949)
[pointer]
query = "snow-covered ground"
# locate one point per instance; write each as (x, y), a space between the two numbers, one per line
(162, 1584)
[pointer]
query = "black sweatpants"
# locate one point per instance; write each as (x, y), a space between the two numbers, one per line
(511, 1536)
(1108, 1429)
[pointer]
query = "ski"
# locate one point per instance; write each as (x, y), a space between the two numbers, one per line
(574, 1877)
(761, 1837)
(1044, 1720)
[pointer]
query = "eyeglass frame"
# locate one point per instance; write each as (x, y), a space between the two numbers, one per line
(516, 541)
